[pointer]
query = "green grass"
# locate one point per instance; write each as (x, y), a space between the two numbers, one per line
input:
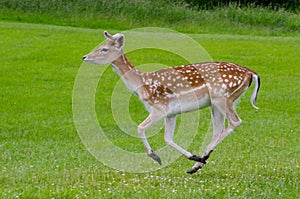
(128, 14)
(43, 157)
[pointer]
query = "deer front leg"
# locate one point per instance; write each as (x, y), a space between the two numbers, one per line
(170, 124)
(154, 117)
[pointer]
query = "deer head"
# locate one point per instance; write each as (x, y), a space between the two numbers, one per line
(109, 51)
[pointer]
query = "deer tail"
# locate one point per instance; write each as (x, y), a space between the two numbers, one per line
(253, 97)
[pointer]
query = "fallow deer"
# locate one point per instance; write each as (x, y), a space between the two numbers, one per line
(175, 90)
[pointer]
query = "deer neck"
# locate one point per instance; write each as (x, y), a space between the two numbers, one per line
(130, 75)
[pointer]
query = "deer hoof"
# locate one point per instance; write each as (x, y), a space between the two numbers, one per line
(155, 157)
(198, 159)
(192, 171)
(195, 168)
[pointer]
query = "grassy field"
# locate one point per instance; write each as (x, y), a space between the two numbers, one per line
(43, 157)
(128, 14)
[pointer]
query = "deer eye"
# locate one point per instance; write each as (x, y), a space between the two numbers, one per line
(104, 49)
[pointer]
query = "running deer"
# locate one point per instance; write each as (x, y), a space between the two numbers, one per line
(175, 90)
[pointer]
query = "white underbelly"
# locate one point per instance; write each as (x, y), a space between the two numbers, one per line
(187, 104)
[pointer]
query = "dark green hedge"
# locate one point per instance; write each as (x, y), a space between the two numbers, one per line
(292, 5)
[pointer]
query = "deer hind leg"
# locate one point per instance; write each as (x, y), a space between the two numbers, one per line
(154, 117)
(233, 122)
(219, 132)
(218, 120)
(170, 124)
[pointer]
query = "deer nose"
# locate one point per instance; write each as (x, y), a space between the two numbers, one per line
(84, 57)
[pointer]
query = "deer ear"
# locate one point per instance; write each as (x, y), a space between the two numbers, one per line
(119, 41)
(107, 35)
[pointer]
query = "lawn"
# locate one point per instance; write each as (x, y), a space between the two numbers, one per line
(44, 157)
